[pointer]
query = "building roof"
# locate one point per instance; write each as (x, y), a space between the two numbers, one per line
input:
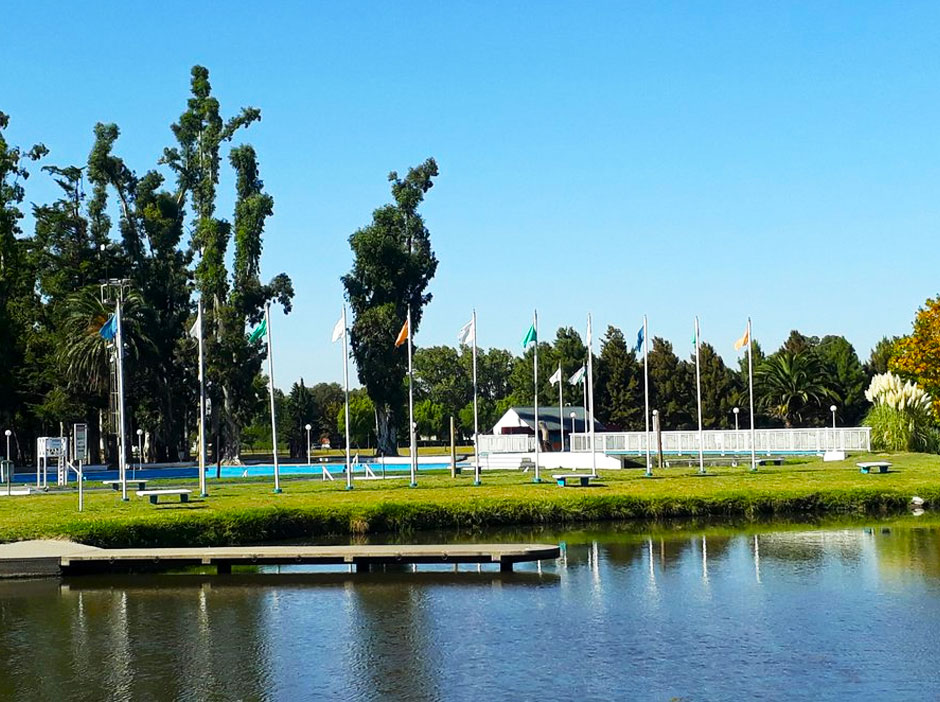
(549, 416)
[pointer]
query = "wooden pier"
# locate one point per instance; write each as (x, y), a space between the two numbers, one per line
(54, 558)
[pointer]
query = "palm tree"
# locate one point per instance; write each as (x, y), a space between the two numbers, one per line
(792, 385)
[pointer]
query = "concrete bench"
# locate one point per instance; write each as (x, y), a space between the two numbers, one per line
(775, 460)
(868, 466)
(583, 479)
(154, 495)
(116, 484)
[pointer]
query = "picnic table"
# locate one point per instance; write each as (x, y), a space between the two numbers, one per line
(868, 466)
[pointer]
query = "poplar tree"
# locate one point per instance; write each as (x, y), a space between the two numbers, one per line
(393, 263)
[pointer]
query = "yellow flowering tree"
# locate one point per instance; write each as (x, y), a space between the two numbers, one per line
(918, 356)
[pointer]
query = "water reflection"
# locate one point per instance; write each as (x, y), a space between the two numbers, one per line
(712, 614)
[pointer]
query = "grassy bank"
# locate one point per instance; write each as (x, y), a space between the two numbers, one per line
(246, 511)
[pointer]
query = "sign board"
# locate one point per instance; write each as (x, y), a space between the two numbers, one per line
(49, 446)
(80, 443)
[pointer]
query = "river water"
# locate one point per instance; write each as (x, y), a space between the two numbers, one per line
(772, 613)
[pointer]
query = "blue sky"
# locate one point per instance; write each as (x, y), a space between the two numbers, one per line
(776, 160)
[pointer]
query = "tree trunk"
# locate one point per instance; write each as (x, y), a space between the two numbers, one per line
(387, 427)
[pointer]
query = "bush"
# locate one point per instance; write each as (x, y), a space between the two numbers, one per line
(902, 416)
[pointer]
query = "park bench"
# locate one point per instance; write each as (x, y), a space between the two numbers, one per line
(583, 479)
(868, 466)
(773, 460)
(116, 484)
(154, 495)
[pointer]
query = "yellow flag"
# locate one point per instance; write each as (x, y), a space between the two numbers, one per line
(402, 335)
(743, 341)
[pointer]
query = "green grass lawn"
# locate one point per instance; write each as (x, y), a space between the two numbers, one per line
(247, 510)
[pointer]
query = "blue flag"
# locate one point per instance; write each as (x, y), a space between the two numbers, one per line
(109, 330)
(639, 340)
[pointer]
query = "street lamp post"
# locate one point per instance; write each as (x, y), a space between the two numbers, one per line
(308, 428)
(140, 450)
(9, 470)
(832, 408)
(737, 437)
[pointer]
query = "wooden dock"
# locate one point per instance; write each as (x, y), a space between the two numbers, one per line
(54, 558)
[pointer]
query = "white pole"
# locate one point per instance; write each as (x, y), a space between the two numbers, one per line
(411, 410)
(590, 382)
(535, 387)
(277, 468)
(122, 441)
(476, 427)
(698, 392)
(203, 487)
(646, 396)
(349, 484)
(750, 376)
(561, 410)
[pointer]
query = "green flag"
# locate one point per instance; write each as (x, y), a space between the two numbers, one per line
(530, 338)
(259, 331)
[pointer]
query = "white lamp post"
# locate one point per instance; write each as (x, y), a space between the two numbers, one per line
(737, 437)
(9, 470)
(308, 428)
(832, 408)
(140, 450)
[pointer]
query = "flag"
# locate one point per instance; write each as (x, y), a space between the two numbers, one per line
(259, 331)
(577, 377)
(743, 341)
(109, 329)
(467, 333)
(402, 335)
(556, 377)
(195, 331)
(531, 337)
(338, 330)
(639, 340)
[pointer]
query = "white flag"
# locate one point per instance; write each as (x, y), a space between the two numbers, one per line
(195, 331)
(467, 333)
(556, 377)
(338, 330)
(577, 377)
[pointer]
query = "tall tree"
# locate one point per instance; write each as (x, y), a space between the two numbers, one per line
(719, 389)
(881, 356)
(618, 380)
(230, 302)
(393, 263)
(792, 386)
(18, 300)
(672, 386)
(847, 379)
(917, 356)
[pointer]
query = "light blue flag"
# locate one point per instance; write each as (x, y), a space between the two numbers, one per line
(639, 340)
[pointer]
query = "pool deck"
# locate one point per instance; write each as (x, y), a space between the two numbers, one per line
(55, 558)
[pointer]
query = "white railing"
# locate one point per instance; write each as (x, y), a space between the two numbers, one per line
(506, 443)
(729, 441)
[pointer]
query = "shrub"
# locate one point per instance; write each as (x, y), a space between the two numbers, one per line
(902, 416)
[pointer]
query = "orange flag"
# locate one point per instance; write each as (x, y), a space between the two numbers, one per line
(402, 335)
(742, 342)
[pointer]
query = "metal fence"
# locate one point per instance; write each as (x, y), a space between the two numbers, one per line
(722, 441)
(506, 443)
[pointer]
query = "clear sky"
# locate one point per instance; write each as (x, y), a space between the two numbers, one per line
(778, 160)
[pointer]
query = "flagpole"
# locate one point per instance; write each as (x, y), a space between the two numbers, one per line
(349, 484)
(535, 370)
(203, 489)
(561, 416)
(750, 375)
(584, 395)
(698, 392)
(267, 324)
(476, 428)
(122, 442)
(646, 395)
(411, 410)
(590, 381)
